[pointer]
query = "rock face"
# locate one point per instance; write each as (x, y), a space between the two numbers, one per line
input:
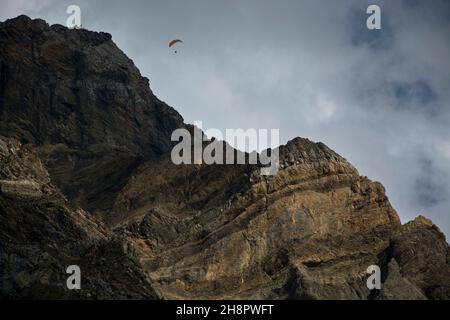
(41, 235)
(86, 179)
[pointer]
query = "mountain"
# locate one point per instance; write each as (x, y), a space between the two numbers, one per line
(86, 178)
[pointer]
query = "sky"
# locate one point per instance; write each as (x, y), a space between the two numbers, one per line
(379, 98)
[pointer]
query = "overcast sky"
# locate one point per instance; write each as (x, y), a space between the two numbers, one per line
(311, 68)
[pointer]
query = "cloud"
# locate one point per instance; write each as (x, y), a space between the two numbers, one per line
(417, 92)
(11, 9)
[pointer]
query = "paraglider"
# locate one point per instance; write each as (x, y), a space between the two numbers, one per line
(172, 42)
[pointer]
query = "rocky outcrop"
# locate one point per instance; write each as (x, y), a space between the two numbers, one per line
(419, 251)
(41, 235)
(310, 231)
(86, 178)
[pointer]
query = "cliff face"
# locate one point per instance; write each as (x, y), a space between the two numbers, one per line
(86, 178)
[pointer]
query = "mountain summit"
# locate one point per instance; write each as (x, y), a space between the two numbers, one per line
(86, 179)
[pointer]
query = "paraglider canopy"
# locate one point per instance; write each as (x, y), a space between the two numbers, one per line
(171, 43)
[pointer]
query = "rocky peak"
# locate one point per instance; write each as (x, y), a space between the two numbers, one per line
(79, 122)
(83, 103)
(301, 150)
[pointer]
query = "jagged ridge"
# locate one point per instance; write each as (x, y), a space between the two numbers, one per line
(141, 227)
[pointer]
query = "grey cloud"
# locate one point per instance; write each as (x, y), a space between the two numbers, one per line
(417, 92)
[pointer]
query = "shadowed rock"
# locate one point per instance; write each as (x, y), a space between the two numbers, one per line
(86, 178)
